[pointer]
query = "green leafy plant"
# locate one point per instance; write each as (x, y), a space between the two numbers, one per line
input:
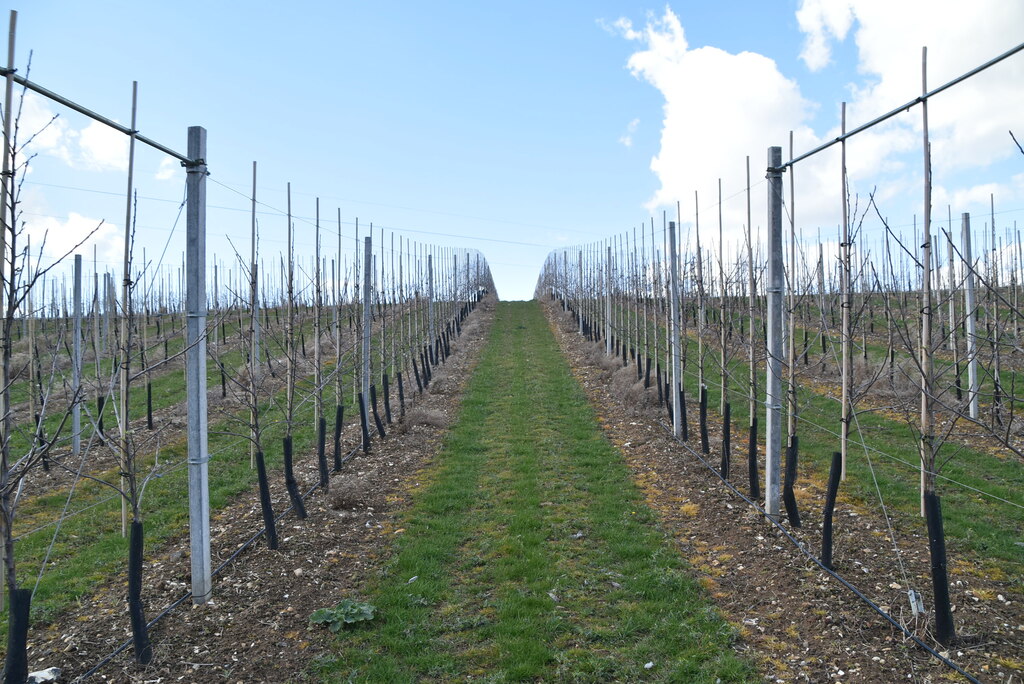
(347, 612)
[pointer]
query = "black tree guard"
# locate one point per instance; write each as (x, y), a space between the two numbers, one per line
(289, 480)
(136, 612)
(945, 632)
(101, 401)
(416, 372)
(364, 424)
(321, 453)
(705, 448)
(387, 399)
(830, 505)
(266, 507)
(339, 419)
(376, 416)
(661, 391)
(682, 415)
(16, 662)
(788, 498)
(401, 394)
(726, 440)
(752, 471)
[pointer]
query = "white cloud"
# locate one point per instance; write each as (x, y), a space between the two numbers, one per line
(169, 169)
(61, 235)
(50, 134)
(57, 232)
(822, 21)
(102, 148)
(627, 137)
(719, 108)
(967, 124)
(95, 147)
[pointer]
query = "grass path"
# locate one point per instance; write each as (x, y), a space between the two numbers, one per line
(528, 554)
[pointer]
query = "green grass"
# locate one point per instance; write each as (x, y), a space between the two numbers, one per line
(90, 550)
(985, 528)
(533, 554)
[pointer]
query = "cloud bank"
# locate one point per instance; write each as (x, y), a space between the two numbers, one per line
(721, 107)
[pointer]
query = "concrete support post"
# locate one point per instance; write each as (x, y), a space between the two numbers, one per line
(195, 366)
(773, 373)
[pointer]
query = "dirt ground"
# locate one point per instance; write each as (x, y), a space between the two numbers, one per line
(256, 629)
(795, 622)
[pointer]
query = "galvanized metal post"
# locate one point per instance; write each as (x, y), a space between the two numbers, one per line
(195, 365)
(677, 377)
(773, 373)
(971, 313)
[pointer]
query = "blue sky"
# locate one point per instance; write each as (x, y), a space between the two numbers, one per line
(513, 128)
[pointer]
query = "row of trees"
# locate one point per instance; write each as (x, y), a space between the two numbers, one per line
(930, 335)
(366, 322)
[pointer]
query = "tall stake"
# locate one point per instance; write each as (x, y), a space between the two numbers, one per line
(6, 191)
(702, 312)
(791, 390)
(971, 314)
(368, 322)
(722, 401)
(773, 373)
(254, 330)
(930, 504)
(338, 374)
(846, 299)
(608, 303)
(126, 283)
(318, 397)
(431, 329)
(751, 301)
(927, 418)
(76, 364)
(195, 367)
(677, 419)
(289, 333)
(951, 271)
